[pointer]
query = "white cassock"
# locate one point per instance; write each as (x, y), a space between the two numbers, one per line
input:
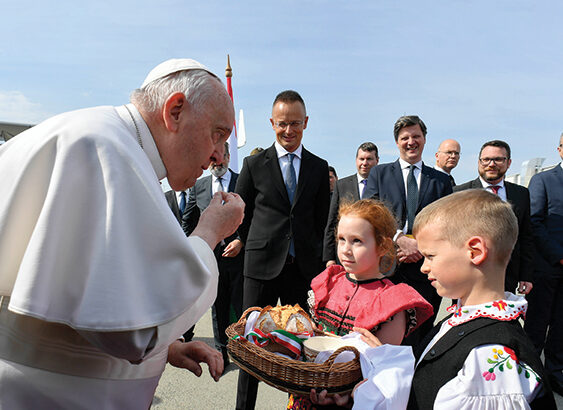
(95, 272)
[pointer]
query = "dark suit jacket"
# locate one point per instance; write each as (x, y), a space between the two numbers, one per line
(173, 204)
(270, 221)
(546, 195)
(199, 199)
(385, 182)
(345, 189)
(520, 267)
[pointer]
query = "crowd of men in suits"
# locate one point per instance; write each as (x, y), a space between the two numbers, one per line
(287, 235)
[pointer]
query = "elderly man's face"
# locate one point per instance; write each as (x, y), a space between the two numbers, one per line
(560, 147)
(410, 142)
(447, 156)
(200, 140)
(288, 121)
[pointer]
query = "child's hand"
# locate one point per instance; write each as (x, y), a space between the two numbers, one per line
(368, 337)
(323, 399)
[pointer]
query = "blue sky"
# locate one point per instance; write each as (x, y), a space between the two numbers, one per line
(473, 71)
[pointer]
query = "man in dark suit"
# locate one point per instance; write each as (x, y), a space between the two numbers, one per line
(406, 186)
(545, 301)
(348, 189)
(228, 255)
(285, 189)
(174, 200)
(494, 161)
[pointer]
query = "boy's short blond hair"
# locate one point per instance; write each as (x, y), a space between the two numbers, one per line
(473, 212)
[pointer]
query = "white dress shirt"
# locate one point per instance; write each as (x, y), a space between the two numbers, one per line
(225, 181)
(361, 184)
(283, 159)
(501, 192)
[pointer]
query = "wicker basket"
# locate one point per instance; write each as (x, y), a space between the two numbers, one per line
(289, 375)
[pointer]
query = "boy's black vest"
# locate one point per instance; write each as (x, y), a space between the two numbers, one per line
(446, 358)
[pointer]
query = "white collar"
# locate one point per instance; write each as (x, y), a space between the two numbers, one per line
(405, 164)
(488, 184)
(281, 151)
(147, 140)
(509, 308)
(225, 177)
(437, 168)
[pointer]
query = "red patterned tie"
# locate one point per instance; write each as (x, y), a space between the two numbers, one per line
(495, 189)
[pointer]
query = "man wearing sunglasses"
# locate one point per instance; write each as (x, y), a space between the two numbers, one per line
(494, 161)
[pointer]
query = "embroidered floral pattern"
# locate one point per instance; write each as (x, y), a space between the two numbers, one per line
(459, 311)
(510, 308)
(500, 305)
(506, 358)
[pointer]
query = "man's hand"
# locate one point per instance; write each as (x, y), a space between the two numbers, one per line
(189, 355)
(330, 263)
(232, 249)
(525, 287)
(408, 250)
(220, 219)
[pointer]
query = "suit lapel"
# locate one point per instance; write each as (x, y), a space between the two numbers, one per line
(271, 163)
(424, 183)
(304, 173)
(354, 187)
(400, 183)
(233, 181)
(510, 193)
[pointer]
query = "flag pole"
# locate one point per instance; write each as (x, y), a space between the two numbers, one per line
(233, 141)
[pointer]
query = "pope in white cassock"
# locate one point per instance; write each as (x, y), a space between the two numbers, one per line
(97, 279)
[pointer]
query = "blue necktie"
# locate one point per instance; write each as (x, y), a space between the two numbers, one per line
(364, 183)
(182, 202)
(290, 178)
(290, 184)
(412, 198)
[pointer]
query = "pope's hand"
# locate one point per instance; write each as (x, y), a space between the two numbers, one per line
(189, 355)
(221, 218)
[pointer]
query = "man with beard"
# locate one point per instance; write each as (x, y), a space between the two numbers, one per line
(447, 157)
(494, 161)
(227, 252)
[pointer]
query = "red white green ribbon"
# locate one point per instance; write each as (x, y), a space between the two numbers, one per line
(291, 341)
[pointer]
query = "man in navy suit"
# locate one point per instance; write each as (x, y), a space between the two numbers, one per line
(286, 190)
(406, 186)
(348, 189)
(545, 301)
(229, 258)
(494, 161)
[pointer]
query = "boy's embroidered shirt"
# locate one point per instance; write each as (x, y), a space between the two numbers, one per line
(492, 376)
(510, 308)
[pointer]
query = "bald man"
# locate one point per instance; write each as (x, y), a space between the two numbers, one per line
(447, 157)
